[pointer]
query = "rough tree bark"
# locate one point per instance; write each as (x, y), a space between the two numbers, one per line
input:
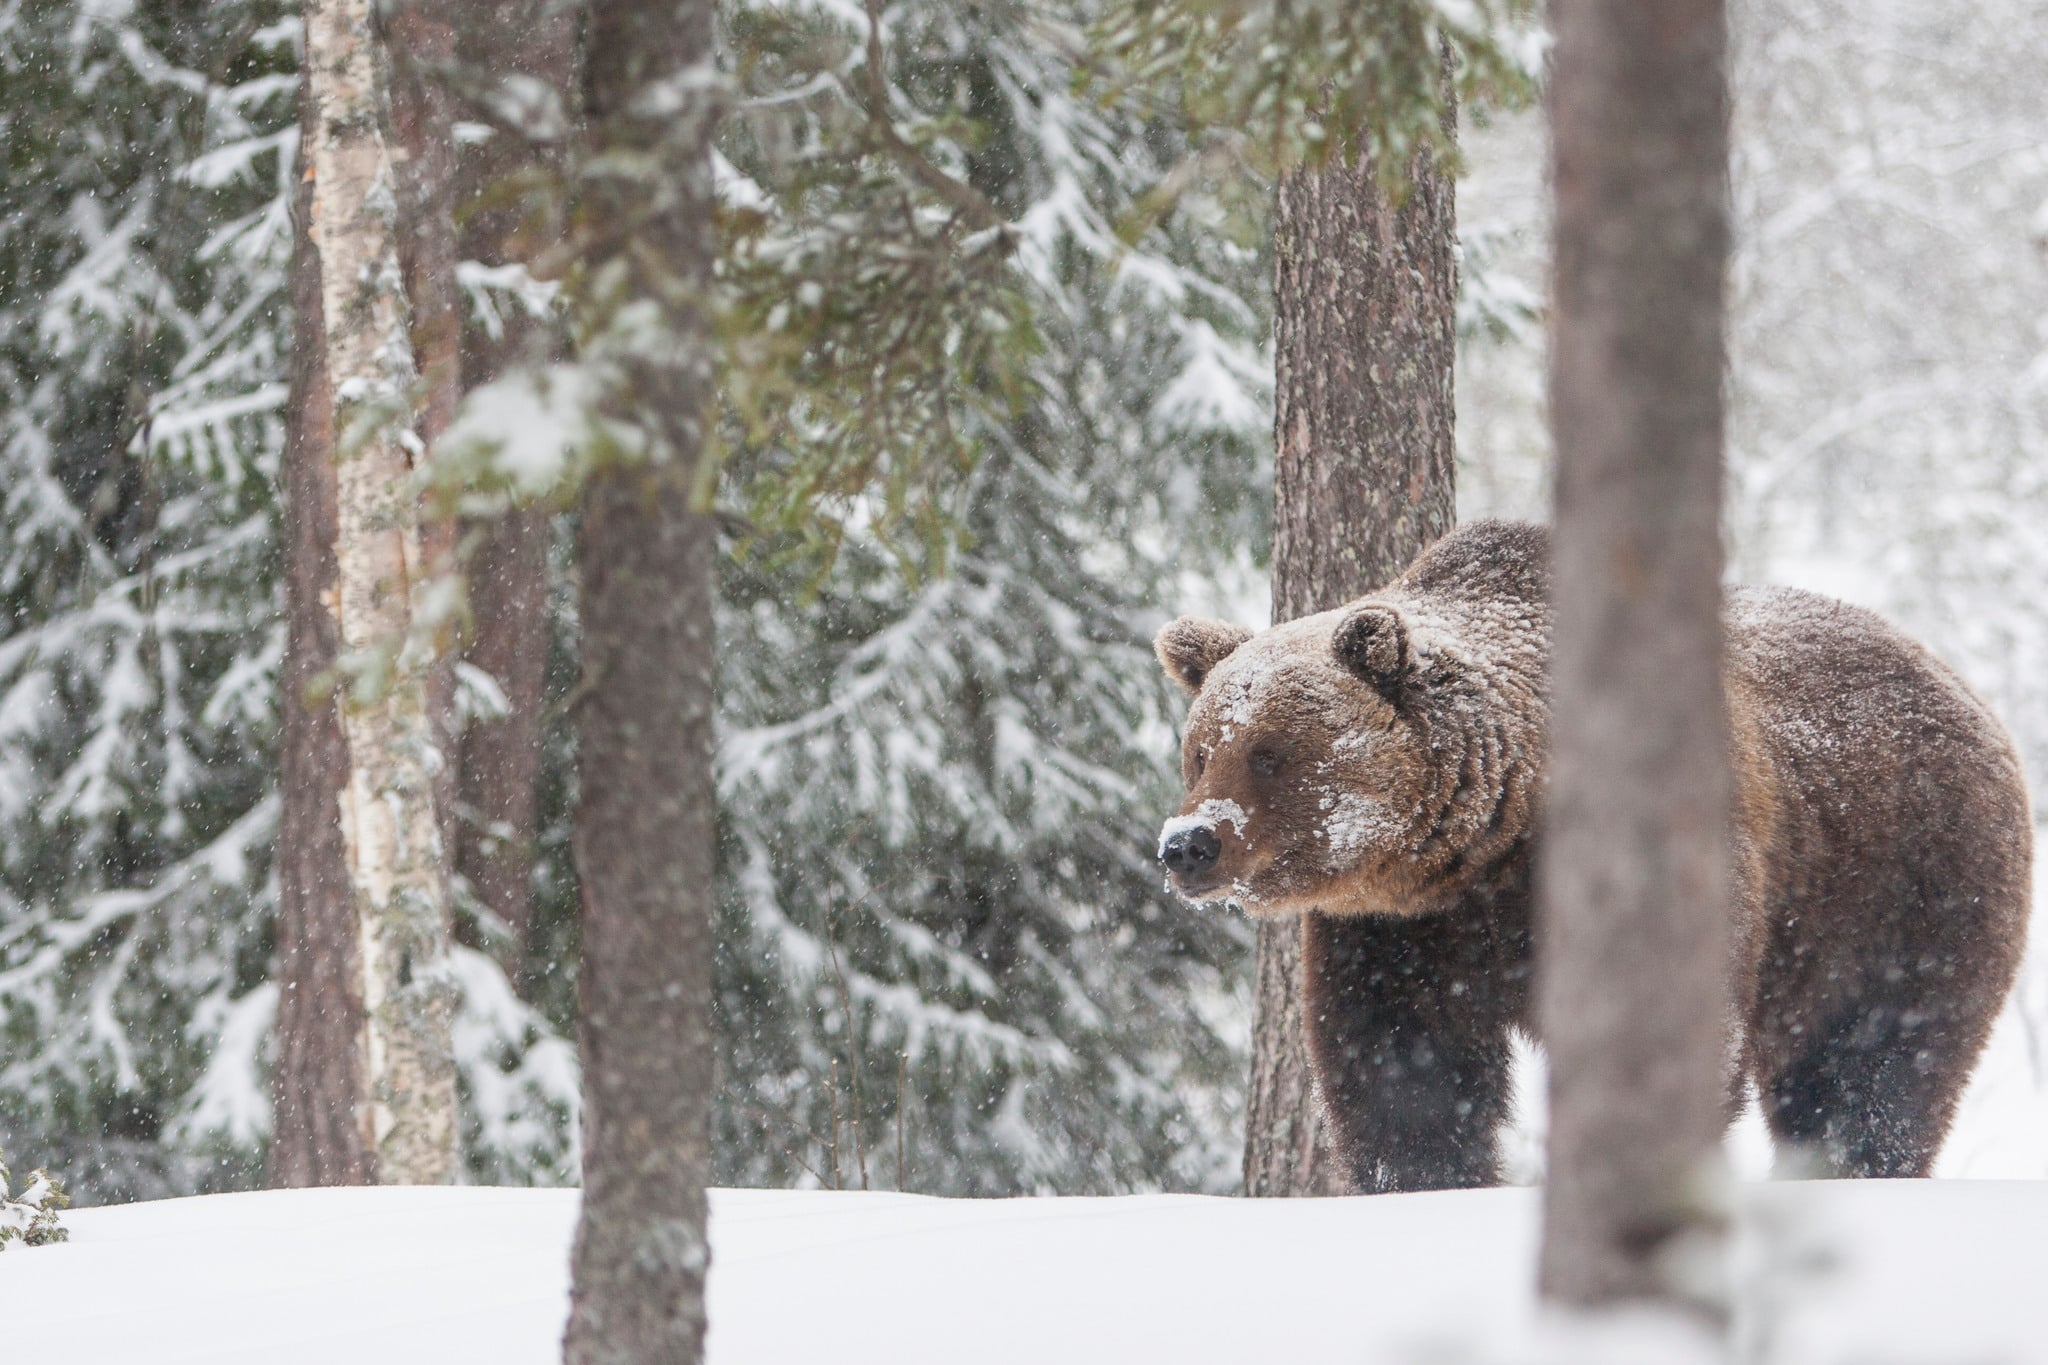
(644, 830)
(498, 771)
(1365, 297)
(316, 1137)
(422, 46)
(1633, 881)
(498, 778)
(420, 39)
(387, 815)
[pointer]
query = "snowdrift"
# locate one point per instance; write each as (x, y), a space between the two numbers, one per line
(1874, 1273)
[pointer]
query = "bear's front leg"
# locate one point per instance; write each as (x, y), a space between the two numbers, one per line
(1407, 1022)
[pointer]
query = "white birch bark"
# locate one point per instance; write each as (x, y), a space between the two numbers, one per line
(388, 816)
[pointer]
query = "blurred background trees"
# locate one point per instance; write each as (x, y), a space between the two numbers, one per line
(143, 246)
(928, 783)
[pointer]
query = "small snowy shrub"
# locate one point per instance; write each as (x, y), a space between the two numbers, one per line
(31, 1216)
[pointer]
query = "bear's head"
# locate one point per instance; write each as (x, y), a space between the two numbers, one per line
(1376, 759)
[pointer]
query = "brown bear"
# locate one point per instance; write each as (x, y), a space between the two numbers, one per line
(1379, 771)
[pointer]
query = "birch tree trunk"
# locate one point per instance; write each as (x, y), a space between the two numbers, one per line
(316, 1134)
(1365, 329)
(1632, 885)
(645, 826)
(387, 816)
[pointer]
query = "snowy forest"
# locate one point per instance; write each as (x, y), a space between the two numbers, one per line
(990, 296)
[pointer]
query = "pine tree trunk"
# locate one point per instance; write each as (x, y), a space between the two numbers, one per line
(422, 45)
(499, 768)
(317, 1137)
(1633, 881)
(645, 826)
(498, 788)
(1366, 296)
(420, 38)
(388, 817)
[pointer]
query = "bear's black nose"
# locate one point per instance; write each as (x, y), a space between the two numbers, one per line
(1191, 851)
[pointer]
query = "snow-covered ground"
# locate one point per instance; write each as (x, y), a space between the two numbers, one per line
(1852, 1273)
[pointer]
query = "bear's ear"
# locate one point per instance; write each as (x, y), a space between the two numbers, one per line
(1372, 644)
(1189, 649)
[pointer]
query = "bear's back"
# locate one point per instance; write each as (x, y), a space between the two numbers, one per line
(1846, 699)
(1882, 818)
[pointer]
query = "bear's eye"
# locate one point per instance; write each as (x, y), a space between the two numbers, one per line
(1201, 761)
(1265, 762)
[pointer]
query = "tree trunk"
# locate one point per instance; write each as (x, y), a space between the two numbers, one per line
(499, 768)
(422, 44)
(388, 818)
(1366, 296)
(316, 1137)
(498, 788)
(420, 38)
(1633, 879)
(644, 829)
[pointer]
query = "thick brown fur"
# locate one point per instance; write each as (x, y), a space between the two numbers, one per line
(1379, 769)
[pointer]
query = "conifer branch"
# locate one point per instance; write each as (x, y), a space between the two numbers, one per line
(971, 203)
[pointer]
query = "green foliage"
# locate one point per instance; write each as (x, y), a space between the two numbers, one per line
(938, 792)
(1268, 85)
(858, 371)
(873, 320)
(30, 1217)
(870, 318)
(939, 795)
(949, 782)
